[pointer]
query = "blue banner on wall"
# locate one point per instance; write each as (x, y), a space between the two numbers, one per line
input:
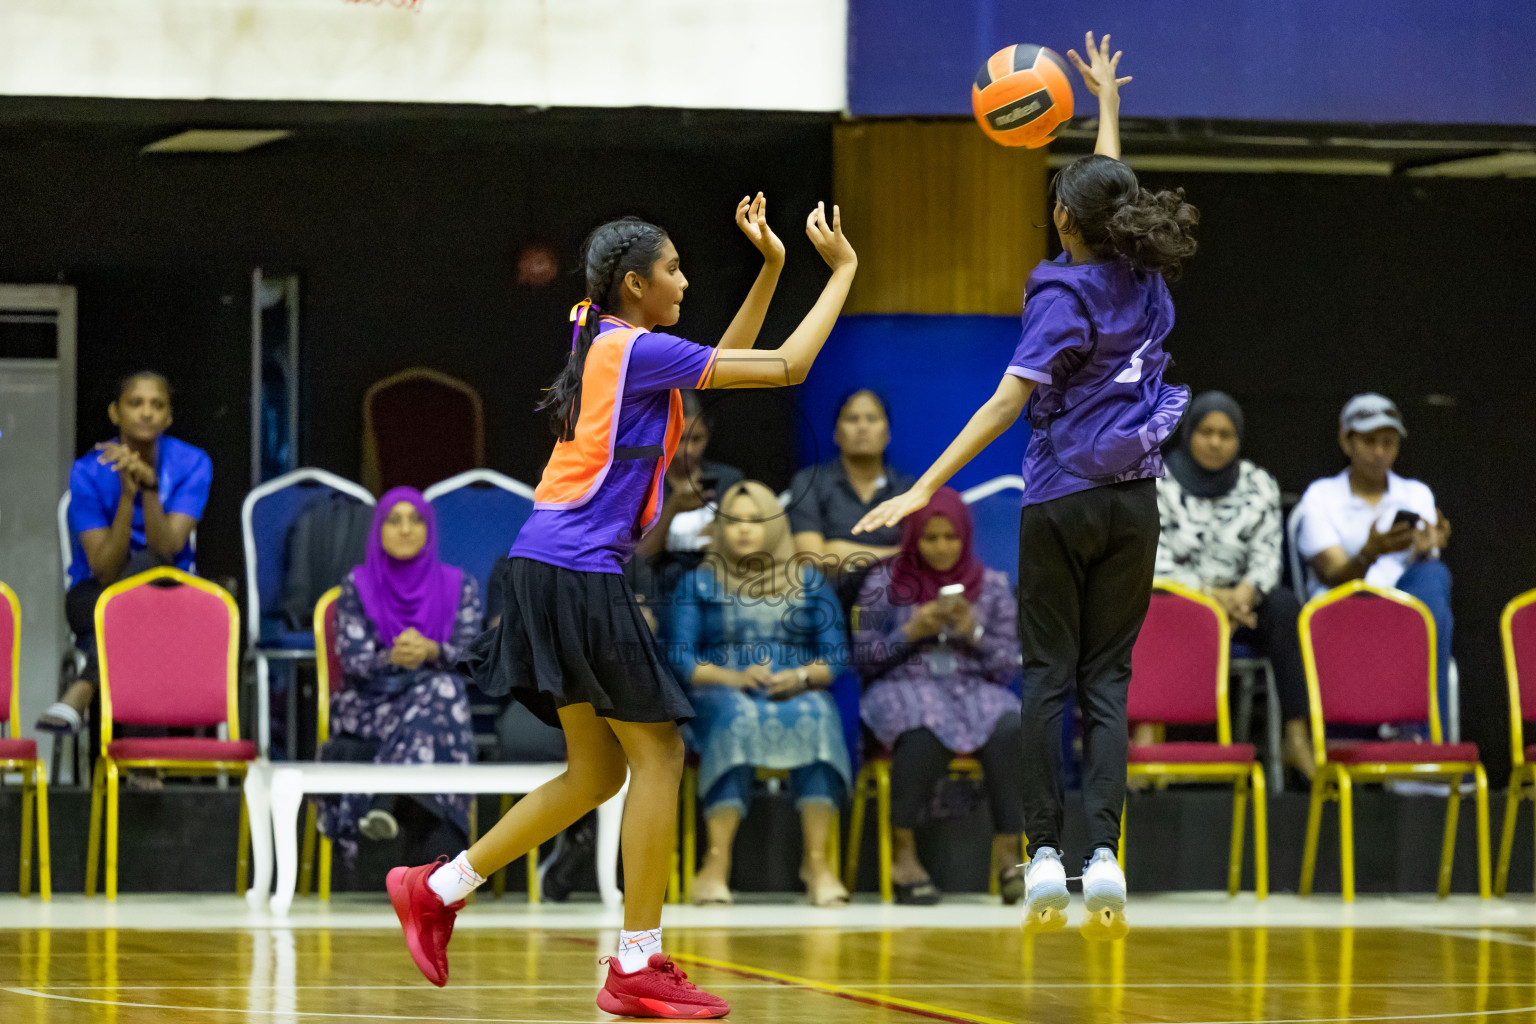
(1415, 61)
(935, 371)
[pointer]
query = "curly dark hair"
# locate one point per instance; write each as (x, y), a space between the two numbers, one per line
(610, 252)
(1116, 216)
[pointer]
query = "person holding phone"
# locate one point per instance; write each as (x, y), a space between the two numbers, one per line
(1369, 523)
(937, 648)
(758, 640)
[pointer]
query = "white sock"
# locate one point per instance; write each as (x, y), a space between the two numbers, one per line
(454, 880)
(636, 949)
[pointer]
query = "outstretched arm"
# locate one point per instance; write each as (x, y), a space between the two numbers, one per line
(1099, 77)
(752, 218)
(790, 362)
(995, 416)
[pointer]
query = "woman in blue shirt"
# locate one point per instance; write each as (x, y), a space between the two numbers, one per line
(758, 643)
(134, 502)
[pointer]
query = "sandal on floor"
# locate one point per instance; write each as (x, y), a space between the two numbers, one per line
(61, 718)
(830, 895)
(143, 779)
(378, 825)
(1010, 883)
(716, 897)
(918, 894)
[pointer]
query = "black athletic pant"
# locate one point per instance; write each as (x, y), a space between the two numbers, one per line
(1276, 638)
(919, 760)
(1085, 581)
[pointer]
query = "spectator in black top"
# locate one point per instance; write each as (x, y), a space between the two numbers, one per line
(826, 500)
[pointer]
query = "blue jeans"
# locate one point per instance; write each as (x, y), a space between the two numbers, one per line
(815, 783)
(1430, 581)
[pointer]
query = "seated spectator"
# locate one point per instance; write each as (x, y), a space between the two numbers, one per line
(1351, 527)
(759, 640)
(1221, 535)
(829, 498)
(690, 488)
(134, 502)
(401, 622)
(937, 669)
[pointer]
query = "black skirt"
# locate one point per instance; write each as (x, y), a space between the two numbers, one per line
(571, 637)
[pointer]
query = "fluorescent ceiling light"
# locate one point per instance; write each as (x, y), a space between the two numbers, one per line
(1175, 162)
(216, 140)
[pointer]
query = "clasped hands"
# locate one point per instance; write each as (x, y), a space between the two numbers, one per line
(411, 649)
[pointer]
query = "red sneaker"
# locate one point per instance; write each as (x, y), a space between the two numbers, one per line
(427, 923)
(657, 990)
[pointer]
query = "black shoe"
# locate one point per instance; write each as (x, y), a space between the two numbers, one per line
(918, 894)
(572, 864)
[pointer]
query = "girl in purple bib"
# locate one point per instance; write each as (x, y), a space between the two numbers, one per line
(572, 644)
(1088, 371)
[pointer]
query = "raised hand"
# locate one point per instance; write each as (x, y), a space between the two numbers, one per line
(828, 238)
(892, 510)
(752, 218)
(1099, 73)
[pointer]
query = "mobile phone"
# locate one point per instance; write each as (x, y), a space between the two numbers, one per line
(949, 593)
(1408, 516)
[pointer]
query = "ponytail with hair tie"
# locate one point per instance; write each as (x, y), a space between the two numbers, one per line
(579, 318)
(611, 252)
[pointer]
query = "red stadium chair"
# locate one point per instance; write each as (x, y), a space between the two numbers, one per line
(1370, 658)
(420, 426)
(19, 755)
(168, 657)
(1518, 628)
(1179, 675)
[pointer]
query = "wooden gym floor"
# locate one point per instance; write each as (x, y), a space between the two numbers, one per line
(1197, 958)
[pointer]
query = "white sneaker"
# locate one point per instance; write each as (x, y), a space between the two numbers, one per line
(1045, 892)
(1104, 897)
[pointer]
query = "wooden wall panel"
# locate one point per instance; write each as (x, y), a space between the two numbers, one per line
(945, 221)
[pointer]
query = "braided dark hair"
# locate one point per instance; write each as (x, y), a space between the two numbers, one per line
(1116, 216)
(610, 253)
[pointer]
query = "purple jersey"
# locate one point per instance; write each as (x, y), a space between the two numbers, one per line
(600, 533)
(1093, 344)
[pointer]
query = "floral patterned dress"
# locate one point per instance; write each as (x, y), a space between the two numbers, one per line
(957, 690)
(415, 716)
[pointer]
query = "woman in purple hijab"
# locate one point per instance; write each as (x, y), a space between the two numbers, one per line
(401, 621)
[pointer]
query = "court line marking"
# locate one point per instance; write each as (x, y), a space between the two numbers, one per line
(1390, 1016)
(844, 992)
(890, 1002)
(248, 1011)
(940, 1013)
(850, 984)
(1478, 935)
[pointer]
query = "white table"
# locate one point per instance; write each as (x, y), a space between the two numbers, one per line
(274, 793)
